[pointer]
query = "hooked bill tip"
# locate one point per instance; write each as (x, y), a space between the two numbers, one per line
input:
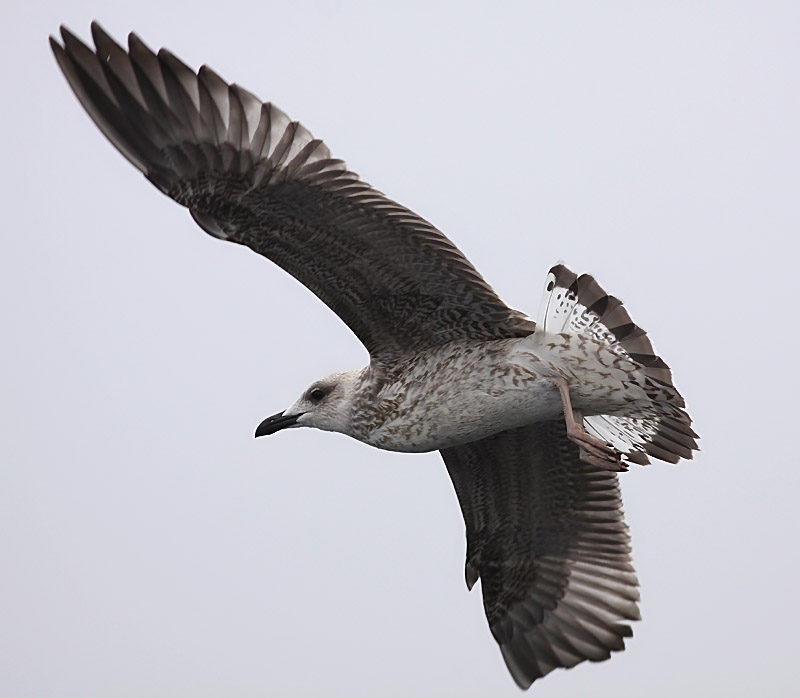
(276, 422)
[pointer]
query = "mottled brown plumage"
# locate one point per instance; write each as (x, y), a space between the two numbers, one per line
(546, 537)
(250, 175)
(452, 367)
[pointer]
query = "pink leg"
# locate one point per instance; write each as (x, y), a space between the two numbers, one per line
(592, 450)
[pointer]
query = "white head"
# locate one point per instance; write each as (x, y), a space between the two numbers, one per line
(326, 405)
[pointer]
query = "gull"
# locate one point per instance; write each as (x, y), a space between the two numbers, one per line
(533, 420)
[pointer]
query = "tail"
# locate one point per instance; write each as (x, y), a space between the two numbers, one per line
(577, 305)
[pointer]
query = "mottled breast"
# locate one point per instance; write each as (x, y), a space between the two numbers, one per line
(457, 394)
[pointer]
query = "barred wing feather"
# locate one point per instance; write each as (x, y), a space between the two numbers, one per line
(250, 175)
(547, 538)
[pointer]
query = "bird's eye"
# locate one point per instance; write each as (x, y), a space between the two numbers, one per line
(317, 394)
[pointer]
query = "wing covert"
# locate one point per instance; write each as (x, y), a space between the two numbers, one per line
(250, 175)
(546, 536)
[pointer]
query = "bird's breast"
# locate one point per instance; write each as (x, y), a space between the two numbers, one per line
(451, 398)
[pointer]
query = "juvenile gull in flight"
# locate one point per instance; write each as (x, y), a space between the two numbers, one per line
(533, 422)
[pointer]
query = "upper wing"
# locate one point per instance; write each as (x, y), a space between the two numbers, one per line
(250, 175)
(545, 533)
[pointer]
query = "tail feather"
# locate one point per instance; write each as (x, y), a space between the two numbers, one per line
(578, 305)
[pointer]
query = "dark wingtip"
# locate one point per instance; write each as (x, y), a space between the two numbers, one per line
(136, 44)
(60, 53)
(67, 35)
(99, 35)
(471, 575)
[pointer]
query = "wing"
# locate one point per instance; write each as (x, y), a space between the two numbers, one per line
(250, 175)
(545, 534)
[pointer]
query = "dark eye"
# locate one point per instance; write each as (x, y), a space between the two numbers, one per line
(317, 394)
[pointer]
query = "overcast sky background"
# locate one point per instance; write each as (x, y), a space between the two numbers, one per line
(151, 547)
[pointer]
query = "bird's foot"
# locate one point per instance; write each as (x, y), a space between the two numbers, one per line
(596, 452)
(592, 450)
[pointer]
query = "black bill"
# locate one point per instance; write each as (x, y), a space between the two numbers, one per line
(277, 422)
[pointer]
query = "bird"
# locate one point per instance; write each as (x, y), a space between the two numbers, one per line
(534, 419)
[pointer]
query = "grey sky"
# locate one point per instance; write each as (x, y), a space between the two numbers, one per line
(151, 547)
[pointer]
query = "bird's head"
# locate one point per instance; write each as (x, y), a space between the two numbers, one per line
(326, 404)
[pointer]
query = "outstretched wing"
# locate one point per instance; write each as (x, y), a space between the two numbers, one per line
(250, 175)
(546, 536)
